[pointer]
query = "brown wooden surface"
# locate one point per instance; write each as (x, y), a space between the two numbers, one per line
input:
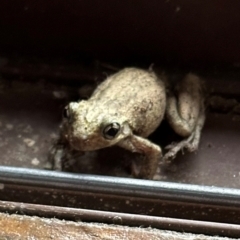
(25, 227)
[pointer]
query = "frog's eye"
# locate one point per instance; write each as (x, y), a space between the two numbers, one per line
(111, 130)
(66, 113)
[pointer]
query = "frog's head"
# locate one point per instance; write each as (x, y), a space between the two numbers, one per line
(91, 127)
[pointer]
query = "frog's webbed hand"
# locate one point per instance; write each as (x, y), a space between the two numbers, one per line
(56, 155)
(186, 115)
(152, 152)
(61, 155)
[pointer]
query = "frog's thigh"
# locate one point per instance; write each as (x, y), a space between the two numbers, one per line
(187, 116)
(183, 111)
(152, 152)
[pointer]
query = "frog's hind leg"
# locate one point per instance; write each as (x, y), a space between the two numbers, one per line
(190, 143)
(186, 115)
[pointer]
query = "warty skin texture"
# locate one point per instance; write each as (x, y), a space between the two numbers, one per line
(127, 107)
(133, 98)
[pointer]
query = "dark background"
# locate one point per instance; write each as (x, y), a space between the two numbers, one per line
(183, 31)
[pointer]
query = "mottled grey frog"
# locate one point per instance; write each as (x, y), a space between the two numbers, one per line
(127, 107)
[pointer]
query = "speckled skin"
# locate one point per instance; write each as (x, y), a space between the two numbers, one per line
(136, 101)
(133, 98)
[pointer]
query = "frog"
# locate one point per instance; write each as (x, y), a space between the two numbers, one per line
(129, 106)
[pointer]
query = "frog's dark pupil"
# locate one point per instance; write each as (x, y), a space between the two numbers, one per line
(111, 130)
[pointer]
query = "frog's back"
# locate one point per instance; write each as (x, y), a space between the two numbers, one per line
(125, 84)
(137, 94)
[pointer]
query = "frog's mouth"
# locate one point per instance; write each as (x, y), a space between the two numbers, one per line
(85, 144)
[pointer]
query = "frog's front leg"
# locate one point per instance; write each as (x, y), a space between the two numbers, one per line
(152, 155)
(186, 115)
(61, 155)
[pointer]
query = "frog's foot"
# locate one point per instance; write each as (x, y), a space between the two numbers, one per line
(191, 143)
(61, 158)
(55, 156)
(135, 170)
(70, 158)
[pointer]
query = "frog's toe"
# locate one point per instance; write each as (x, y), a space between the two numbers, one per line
(171, 146)
(192, 147)
(191, 144)
(170, 155)
(55, 158)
